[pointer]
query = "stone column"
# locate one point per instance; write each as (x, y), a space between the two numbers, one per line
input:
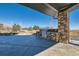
(63, 27)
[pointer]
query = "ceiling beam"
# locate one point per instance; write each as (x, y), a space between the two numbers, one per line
(67, 7)
(54, 11)
(42, 7)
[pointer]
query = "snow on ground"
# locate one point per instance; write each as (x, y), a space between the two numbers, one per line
(24, 33)
(74, 40)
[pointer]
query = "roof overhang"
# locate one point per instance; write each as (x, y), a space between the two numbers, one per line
(42, 7)
(73, 8)
(51, 9)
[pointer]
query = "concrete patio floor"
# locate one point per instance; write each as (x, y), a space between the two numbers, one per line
(61, 49)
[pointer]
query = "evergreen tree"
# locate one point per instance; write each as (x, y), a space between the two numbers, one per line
(36, 27)
(1, 26)
(16, 27)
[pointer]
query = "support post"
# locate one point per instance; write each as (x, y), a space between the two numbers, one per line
(63, 27)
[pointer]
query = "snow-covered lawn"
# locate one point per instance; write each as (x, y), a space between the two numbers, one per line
(74, 40)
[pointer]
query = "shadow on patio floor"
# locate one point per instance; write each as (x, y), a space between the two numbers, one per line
(27, 45)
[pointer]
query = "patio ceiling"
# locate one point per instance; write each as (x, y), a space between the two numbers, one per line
(50, 9)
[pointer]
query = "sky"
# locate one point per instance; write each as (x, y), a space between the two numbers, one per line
(74, 19)
(26, 17)
(18, 14)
